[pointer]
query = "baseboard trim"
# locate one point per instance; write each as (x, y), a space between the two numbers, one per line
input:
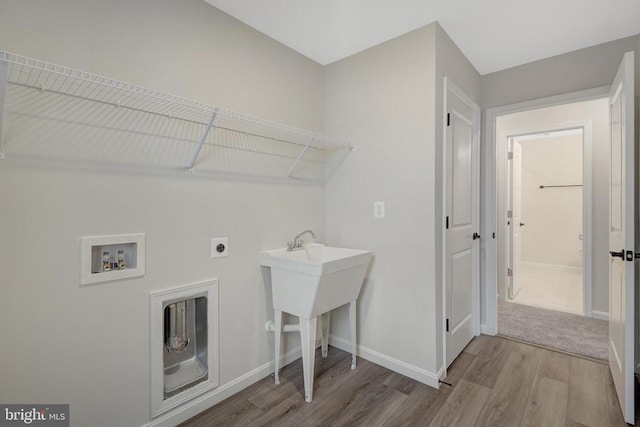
(194, 407)
(485, 330)
(602, 315)
(557, 267)
(403, 368)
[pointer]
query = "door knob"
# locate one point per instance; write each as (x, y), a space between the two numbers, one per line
(476, 236)
(522, 224)
(617, 254)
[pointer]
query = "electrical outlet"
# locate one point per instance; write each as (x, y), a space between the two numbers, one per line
(219, 247)
(378, 209)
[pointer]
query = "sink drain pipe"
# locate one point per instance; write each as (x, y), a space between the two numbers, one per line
(270, 326)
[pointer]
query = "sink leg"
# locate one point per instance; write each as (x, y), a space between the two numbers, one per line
(308, 339)
(324, 320)
(278, 332)
(352, 324)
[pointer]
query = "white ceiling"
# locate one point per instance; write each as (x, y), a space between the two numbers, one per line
(493, 34)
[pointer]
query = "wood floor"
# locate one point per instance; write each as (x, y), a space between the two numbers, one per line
(495, 382)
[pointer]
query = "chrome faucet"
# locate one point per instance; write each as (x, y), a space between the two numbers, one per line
(297, 242)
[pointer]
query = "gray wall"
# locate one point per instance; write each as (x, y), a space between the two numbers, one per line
(383, 100)
(571, 72)
(583, 69)
(89, 346)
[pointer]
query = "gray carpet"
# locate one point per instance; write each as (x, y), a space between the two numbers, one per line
(563, 331)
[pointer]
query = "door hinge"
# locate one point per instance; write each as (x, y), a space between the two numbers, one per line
(447, 325)
(510, 155)
(509, 214)
(448, 119)
(447, 223)
(509, 272)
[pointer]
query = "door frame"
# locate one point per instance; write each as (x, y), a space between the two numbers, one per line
(476, 220)
(587, 196)
(489, 280)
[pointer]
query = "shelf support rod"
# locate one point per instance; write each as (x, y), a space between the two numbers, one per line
(4, 67)
(202, 140)
(295, 164)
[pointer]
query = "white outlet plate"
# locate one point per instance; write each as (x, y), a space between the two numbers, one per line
(378, 210)
(215, 253)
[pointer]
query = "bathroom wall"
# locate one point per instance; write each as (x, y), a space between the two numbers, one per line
(552, 216)
(89, 346)
(597, 113)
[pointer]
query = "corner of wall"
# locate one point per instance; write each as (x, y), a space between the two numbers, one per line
(453, 64)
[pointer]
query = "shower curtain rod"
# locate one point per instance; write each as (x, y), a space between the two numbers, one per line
(560, 186)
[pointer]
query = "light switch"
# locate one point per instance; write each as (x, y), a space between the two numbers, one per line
(378, 209)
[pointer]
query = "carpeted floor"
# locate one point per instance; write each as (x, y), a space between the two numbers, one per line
(563, 331)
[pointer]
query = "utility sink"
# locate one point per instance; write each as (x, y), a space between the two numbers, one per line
(310, 282)
(315, 279)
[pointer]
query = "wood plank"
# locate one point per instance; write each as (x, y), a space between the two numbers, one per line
(488, 363)
(463, 405)
(401, 383)
(336, 394)
(555, 366)
(266, 394)
(525, 390)
(547, 404)
(571, 423)
(615, 411)
(508, 398)
(587, 394)
(458, 369)
(373, 404)
(236, 410)
(476, 344)
(420, 408)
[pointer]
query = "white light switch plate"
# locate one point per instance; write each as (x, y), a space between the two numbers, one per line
(219, 247)
(378, 209)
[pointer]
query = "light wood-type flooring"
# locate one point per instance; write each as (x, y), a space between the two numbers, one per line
(495, 382)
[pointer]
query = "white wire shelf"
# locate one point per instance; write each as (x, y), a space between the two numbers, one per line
(59, 113)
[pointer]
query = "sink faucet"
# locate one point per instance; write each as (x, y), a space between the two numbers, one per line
(297, 242)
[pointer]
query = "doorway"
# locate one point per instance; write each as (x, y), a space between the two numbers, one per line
(545, 234)
(551, 213)
(590, 118)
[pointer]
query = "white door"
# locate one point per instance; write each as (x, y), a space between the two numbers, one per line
(462, 241)
(622, 216)
(516, 223)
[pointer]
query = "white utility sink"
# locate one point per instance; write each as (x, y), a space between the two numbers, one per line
(308, 283)
(316, 279)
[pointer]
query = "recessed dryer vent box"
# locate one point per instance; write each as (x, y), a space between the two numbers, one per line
(106, 258)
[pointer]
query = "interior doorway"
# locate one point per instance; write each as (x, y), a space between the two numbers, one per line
(552, 166)
(545, 220)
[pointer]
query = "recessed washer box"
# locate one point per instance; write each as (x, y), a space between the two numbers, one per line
(107, 258)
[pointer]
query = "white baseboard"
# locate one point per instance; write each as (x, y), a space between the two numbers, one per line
(484, 329)
(403, 368)
(207, 400)
(602, 315)
(556, 267)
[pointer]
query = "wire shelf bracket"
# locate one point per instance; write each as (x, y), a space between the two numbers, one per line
(3, 89)
(295, 164)
(56, 113)
(202, 141)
